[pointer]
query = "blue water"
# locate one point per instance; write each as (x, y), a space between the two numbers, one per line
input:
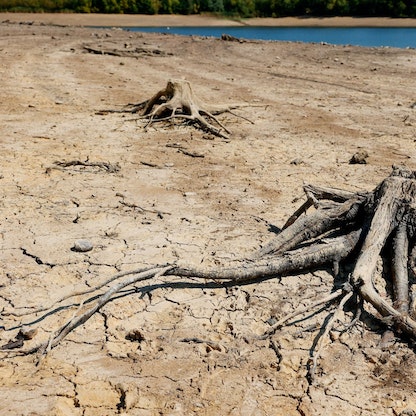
(397, 37)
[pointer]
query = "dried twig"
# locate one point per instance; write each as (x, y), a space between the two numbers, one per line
(107, 166)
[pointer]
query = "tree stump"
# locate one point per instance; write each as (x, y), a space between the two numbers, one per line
(178, 101)
(345, 227)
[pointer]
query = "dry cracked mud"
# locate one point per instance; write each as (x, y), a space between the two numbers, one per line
(175, 192)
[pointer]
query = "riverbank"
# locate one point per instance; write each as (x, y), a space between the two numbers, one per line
(74, 19)
(75, 167)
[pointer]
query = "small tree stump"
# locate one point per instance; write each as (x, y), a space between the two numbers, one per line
(178, 101)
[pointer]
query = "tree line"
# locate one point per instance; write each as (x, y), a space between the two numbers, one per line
(234, 8)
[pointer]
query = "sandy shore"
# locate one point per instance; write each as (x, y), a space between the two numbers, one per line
(196, 20)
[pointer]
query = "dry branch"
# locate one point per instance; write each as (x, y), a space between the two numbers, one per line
(106, 166)
(345, 227)
(128, 51)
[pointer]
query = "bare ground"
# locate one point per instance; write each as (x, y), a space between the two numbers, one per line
(180, 193)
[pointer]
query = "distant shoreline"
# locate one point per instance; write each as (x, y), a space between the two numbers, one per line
(124, 20)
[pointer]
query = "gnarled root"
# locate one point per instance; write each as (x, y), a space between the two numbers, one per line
(344, 226)
(387, 218)
(178, 101)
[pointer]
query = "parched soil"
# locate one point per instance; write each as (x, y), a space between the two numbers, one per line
(72, 171)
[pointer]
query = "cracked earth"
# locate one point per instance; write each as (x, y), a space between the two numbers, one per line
(175, 193)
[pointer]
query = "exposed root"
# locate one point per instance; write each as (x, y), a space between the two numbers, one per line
(301, 311)
(178, 101)
(345, 227)
(78, 320)
(400, 273)
(320, 345)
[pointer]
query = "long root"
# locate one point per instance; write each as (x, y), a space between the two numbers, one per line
(345, 227)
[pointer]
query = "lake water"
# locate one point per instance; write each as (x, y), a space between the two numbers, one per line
(397, 37)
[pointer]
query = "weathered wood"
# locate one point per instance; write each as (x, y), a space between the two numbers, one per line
(342, 225)
(311, 226)
(305, 258)
(78, 320)
(393, 196)
(178, 101)
(132, 52)
(301, 259)
(400, 274)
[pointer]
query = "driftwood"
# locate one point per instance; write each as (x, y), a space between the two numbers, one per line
(347, 228)
(178, 101)
(128, 51)
(106, 166)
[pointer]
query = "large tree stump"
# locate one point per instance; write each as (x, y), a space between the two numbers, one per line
(345, 227)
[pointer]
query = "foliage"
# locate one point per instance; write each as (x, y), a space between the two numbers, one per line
(236, 8)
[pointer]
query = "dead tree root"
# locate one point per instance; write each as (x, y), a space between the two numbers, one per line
(178, 101)
(348, 228)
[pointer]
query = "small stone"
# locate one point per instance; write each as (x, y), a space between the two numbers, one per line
(82, 246)
(298, 161)
(359, 158)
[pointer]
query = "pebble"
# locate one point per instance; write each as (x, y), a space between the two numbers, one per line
(82, 246)
(359, 158)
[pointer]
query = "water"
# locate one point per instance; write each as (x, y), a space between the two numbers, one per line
(398, 37)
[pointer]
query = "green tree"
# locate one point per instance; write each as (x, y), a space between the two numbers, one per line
(281, 8)
(106, 6)
(242, 8)
(337, 7)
